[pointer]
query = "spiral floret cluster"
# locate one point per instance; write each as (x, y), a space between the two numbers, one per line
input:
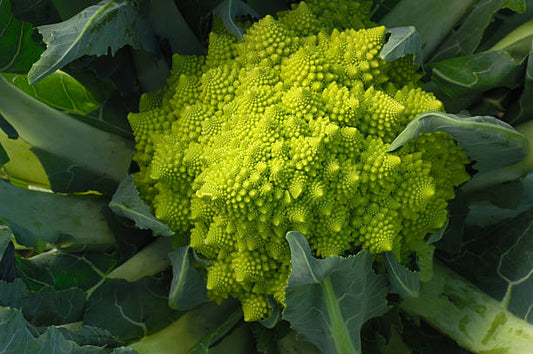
(288, 130)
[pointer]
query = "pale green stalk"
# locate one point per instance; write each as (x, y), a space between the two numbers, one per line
(473, 319)
(149, 261)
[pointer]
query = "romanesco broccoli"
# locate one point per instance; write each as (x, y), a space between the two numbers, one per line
(288, 130)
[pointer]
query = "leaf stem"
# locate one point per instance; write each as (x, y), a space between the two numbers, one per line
(473, 319)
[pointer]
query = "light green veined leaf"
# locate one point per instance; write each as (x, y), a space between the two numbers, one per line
(58, 90)
(486, 140)
(127, 202)
(328, 301)
(95, 30)
(403, 41)
(402, 280)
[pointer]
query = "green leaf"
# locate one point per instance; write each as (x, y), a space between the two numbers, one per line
(329, 300)
(37, 12)
(127, 202)
(402, 280)
(85, 158)
(62, 270)
(498, 260)
(15, 337)
(17, 49)
(524, 109)
(467, 38)
(473, 74)
(433, 19)
(8, 269)
(88, 335)
(130, 310)
(188, 288)
(58, 90)
(228, 10)
(486, 140)
(168, 22)
(5, 237)
(108, 25)
(217, 333)
(403, 41)
(63, 220)
(47, 306)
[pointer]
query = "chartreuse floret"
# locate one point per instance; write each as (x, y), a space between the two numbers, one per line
(288, 130)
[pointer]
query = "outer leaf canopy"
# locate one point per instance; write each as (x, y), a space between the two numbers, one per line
(487, 140)
(329, 300)
(109, 24)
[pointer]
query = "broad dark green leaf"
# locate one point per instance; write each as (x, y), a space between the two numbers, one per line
(498, 260)
(525, 103)
(8, 269)
(228, 10)
(58, 90)
(403, 41)
(433, 19)
(69, 8)
(217, 333)
(473, 74)
(36, 12)
(168, 23)
(15, 337)
(467, 38)
(63, 220)
(83, 159)
(63, 270)
(5, 237)
(88, 335)
(127, 202)
(17, 49)
(107, 26)
(130, 310)
(329, 300)
(402, 280)
(188, 288)
(47, 306)
(486, 140)
(497, 203)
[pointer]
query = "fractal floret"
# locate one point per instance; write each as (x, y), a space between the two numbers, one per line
(286, 130)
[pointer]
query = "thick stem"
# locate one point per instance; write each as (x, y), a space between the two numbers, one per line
(149, 261)
(474, 320)
(185, 333)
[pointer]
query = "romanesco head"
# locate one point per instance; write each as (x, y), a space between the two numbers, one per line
(288, 130)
